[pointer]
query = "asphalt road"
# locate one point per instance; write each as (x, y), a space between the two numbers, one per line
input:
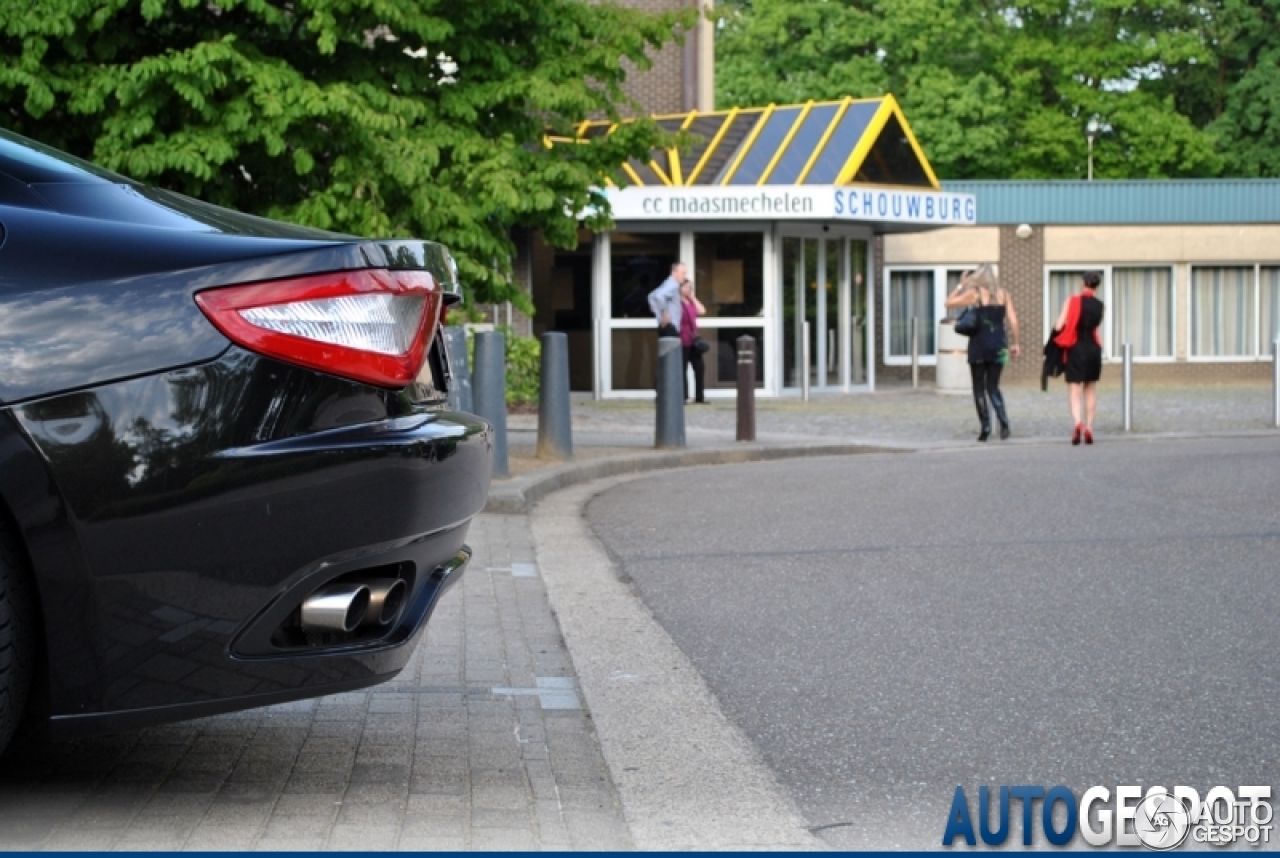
(887, 627)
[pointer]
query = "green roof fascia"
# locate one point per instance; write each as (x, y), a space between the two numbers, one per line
(1138, 201)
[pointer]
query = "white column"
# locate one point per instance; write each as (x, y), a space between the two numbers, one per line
(601, 313)
(771, 335)
(688, 252)
(870, 339)
(800, 309)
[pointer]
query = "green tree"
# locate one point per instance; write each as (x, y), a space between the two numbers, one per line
(993, 90)
(374, 117)
(1065, 62)
(1235, 91)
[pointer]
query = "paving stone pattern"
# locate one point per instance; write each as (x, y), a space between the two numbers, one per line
(481, 743)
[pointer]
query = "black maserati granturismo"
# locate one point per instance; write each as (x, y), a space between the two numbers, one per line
(228, 472)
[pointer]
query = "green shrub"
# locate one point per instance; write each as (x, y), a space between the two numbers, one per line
(524, 365)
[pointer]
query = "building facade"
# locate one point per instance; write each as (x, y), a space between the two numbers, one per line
(775, 211)
(1190, 271)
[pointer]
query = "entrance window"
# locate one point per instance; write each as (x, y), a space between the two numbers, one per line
(911, 296)
(721, 361)
(728, 273)
(639, 262)
(1222, 312)
(1142, 314)
(917, 292)
(1062, 285)
(635, 358)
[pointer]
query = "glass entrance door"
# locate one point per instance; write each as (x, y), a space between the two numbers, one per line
(818, 290)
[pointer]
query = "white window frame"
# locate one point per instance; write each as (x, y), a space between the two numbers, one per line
(1261, 351)
(606, 324)
(939, 310)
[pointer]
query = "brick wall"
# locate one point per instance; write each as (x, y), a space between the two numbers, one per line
(659, 89)
(1022, 273)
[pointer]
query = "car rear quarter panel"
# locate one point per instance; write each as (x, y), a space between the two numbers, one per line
(163, 513)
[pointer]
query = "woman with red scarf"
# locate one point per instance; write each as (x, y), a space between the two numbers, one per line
(1077, 335)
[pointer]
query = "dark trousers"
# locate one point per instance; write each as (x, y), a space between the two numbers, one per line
(693, 357)
(986, 383)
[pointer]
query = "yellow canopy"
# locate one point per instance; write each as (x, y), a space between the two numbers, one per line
(852, 141)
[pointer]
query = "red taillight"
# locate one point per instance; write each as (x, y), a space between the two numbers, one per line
(371, 325)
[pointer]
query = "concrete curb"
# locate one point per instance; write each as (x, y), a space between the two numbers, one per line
(516, 496)
(687, 777)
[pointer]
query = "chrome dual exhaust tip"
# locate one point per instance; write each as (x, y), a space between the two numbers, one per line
(345, 607)
(386, 600)
(340, 608)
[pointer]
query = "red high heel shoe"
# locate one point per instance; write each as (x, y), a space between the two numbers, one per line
(1075, 436)
(1088, 436)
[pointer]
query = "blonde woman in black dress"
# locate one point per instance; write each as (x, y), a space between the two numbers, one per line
(992, 346)
(1077, 329)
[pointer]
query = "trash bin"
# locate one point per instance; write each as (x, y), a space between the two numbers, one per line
(953, 360)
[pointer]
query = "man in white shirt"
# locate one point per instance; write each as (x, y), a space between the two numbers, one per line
(665, 301)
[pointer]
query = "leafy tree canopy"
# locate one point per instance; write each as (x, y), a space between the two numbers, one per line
(374, 117)
(1006, 90)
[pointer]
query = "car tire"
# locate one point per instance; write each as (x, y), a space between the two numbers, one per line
(17, 634)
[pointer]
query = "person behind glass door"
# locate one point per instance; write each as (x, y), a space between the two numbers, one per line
(690, 309)
(665, 301)
(989, 348)
(1077, 333)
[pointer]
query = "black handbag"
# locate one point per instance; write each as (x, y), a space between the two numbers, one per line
(701, 346)
(967, 322)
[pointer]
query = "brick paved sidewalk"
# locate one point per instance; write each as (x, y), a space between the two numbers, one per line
(481, 743)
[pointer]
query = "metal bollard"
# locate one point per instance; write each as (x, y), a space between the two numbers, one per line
(804, 363)
(1275, 382)
(455, 345)
(555, 429)
(491, 393)
(1126, 391)
(746, 388)
(669, 414)
(915, 353)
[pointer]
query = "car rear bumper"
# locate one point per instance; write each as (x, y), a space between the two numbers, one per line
(304, 675)
(200, 506)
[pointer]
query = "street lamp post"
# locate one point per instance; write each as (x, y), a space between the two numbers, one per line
(1091, 131)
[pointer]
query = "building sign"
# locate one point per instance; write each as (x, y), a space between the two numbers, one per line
(819, 202)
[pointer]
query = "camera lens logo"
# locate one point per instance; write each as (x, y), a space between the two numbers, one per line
(1162, 822)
